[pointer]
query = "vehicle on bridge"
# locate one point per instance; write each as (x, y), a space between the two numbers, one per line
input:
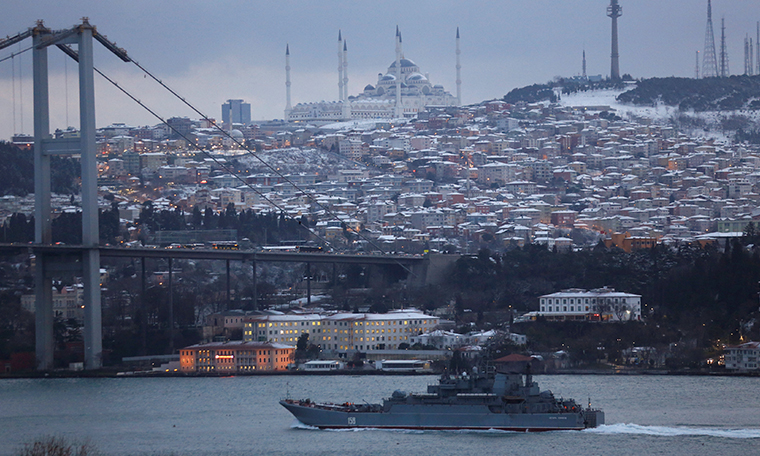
(310, 249)
(225, 245)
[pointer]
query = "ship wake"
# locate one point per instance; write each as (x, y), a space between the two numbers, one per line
(674, 431)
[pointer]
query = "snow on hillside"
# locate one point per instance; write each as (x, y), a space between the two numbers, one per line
(608, 98)
(707, 124)
(294, 160)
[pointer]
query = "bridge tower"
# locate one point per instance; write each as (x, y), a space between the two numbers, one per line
(87, 262)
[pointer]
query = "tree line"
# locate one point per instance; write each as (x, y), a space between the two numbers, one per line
(261, 228)
(707, 94)
(17, 169)
(689, 293)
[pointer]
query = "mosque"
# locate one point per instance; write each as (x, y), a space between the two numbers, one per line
(401, 92)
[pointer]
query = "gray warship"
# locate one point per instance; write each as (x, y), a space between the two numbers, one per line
(505, 401)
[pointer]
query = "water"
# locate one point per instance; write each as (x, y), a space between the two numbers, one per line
(645, 415)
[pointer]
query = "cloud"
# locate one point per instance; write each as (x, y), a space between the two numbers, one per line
(212, 51)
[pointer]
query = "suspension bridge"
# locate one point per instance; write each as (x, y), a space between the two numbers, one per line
(52, 261)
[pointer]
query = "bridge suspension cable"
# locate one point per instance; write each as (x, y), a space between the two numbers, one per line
(14, 54)
(123, 55)
(219, 163)
(252, 153)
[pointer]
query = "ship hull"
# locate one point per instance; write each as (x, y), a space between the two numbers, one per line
(438, 417)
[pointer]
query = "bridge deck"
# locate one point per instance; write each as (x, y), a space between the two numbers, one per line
(212, 254)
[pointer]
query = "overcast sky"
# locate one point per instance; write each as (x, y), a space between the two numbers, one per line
(211, 51)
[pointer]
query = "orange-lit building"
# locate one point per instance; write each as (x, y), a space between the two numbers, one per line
(630, 243)
(236, 357)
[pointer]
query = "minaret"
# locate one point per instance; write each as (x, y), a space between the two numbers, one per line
(346, 103)
(459, 73)
(345, 70)
(614, 11)
(399, 109)
(696, 69)
(340, 67)
(288, 107)
(401, 44)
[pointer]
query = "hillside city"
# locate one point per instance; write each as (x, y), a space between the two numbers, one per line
(495, 175)
(451, 180)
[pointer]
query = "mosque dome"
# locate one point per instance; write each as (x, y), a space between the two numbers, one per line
(237, 134)
(369, 87)
(405, 63)
(416, 78)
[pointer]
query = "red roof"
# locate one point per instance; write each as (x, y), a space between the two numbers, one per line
(513, 358)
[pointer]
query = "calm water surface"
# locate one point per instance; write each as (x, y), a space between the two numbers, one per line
(240, 416)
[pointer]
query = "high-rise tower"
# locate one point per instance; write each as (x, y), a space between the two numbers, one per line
(709, 59)
(459, 74)
(615, 11)
(724, 71)
(288, 106)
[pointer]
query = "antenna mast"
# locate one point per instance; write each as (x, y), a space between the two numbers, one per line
(584, 65)
(747, 53)
(614, 11)
(710, 61)
(724, 71)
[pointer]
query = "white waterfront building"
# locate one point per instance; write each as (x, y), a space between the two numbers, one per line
(342, 332)
(600, 304)
(743, 357)
(440, 339)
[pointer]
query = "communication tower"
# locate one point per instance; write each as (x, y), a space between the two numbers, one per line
(748, 60)
(584, 64)
(614, 11)
(724, 71)
(710, 61)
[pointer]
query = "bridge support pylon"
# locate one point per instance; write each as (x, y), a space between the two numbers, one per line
(44, 147)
